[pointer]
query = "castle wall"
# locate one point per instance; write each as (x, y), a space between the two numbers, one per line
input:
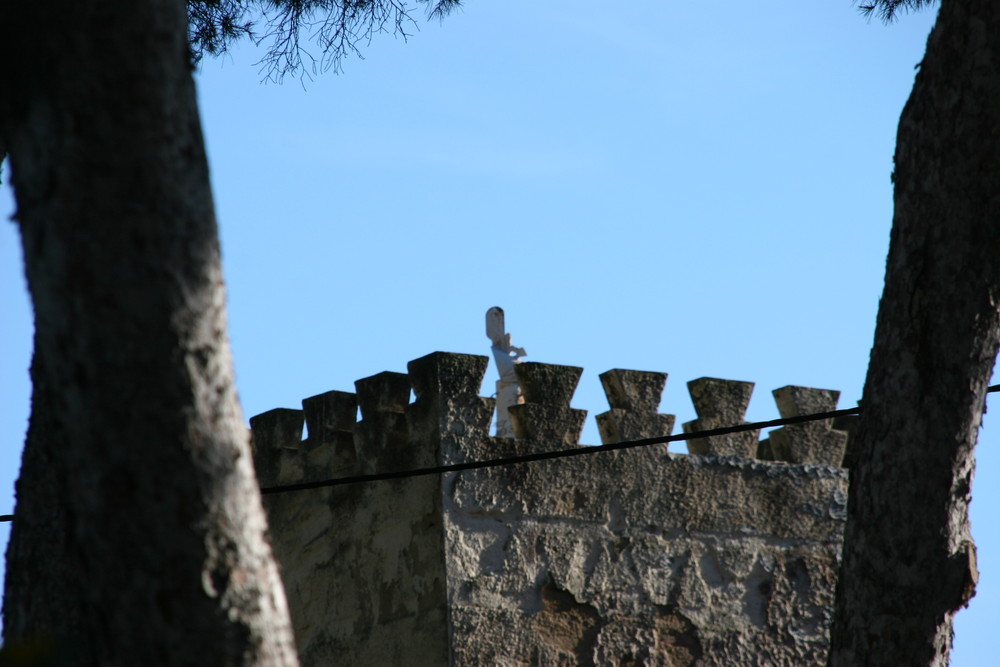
(363, 565)
(630, 557)
(643, 557)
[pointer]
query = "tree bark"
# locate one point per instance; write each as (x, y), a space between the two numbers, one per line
(909, 558)
(42, 591)
(139, 536)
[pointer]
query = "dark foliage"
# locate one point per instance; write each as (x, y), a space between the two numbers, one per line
(887, 9)
(214, 24)
(336, 28)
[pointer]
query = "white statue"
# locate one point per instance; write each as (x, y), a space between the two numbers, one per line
(506, 355)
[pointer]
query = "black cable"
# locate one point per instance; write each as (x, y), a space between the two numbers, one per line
(557, 454)
(563, 453)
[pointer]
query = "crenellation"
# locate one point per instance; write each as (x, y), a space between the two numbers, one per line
(449, 421)
(382, 435)
(330, 414)
(277, 436)
(385, 392)
(810, 442)
(721, 403)
(634, 397)
(546, 416)
(640, 555)
(548, 384)
(330, 422)
(635, 391)
(448, 376)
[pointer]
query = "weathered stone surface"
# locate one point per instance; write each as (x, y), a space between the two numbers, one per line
(545, 417)
(764, 450)
(623, 425)
(643, 556)
(330, 420)
(720, 403)
(381, 393)
(330, 413)
(381, 437)
(276, 438)
(448, 408)
(551, 425)
(448, 376)
(278, 428)
(811, 442)
(626, 557)
(363, 565)
(363, 569)
(635, 391)
(547, 384)
(634, 397)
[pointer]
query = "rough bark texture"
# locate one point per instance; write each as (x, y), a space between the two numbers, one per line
(42, 589)
(909, 559)
(139, 535)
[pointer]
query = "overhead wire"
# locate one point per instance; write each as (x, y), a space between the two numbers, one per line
(565, 453)
(556, 454)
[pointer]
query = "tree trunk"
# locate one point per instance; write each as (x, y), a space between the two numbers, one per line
(139, 536)
(909, 559)
(42, 591)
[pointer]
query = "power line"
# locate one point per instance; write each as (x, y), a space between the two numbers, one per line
(556, 454)
(564, 453)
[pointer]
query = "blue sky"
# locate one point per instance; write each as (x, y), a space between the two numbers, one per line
(682, 187)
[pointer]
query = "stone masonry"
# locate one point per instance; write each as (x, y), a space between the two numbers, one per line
(632, 557)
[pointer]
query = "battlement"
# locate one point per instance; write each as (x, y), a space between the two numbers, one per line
(447, 388)
(726, 555)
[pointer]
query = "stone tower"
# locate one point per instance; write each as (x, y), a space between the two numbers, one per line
(632, 557)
